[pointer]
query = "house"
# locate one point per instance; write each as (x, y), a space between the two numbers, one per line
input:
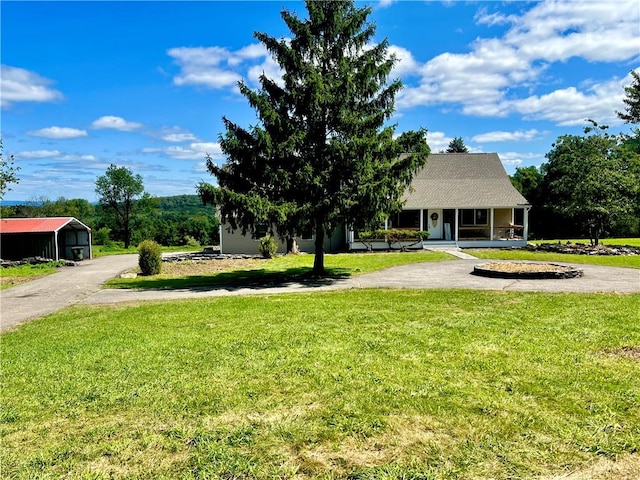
(464, 200)
(56, 238)
(461, 199)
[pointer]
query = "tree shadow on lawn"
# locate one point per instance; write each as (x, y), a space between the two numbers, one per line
(259, 278)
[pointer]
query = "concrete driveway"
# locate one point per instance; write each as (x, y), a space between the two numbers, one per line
(66, 287)
(82, 284)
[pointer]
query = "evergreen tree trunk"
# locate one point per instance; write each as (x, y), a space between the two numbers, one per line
(318, 261)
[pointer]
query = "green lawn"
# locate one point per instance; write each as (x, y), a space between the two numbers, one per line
(628, 261)
(14, 275)
(371, 384)
(284, 268)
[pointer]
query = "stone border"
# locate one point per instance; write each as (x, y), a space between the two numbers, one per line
(530, 273)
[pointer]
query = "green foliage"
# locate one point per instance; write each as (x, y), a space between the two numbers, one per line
(101, 236)
(393, 235)
(191, 242)
(117, 191)
(150, 257)
(591, 180)
(632, 100)
(457, 146)
(8, 172)
(368, 384)
(322, 154)
(268, 246)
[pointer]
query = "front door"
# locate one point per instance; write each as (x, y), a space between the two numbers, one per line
(434, 223)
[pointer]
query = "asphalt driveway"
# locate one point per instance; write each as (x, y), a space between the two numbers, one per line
(83, 284)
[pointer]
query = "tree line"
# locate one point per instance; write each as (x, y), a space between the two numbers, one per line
(171, 221)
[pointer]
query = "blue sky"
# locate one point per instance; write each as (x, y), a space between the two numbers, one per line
(145, 84)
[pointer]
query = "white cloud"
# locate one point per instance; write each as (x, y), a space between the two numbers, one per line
(20, 85)
(193, 151)
(85, 158)
(486, 80)
(269, 68)
(179, 137)
(501, 136)
(386, 3)
(515, 159)
(59, 133)
(202, 66)
(570, 106)
(218, 67)
(38, 154)
(406, 64)
(116, 123)
(438, 141)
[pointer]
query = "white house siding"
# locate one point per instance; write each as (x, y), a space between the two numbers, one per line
(234, 242)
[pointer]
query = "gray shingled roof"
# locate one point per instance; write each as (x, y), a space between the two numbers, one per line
(463, 180)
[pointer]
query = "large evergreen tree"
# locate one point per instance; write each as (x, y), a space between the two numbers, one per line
(321, 155)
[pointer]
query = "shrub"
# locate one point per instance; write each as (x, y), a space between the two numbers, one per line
(268, 246)
(150, 257)
(191, 242)
(101, 236)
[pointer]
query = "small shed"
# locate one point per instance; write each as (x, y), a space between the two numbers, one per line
(55, 237)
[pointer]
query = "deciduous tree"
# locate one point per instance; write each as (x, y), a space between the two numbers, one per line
(322, 153)
(8, 173)
(591, 179)
(118, 189)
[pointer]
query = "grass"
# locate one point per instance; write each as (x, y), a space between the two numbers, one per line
(372, 384)
(628, 261)
(117, 249)
(10, 276)
(281, 269)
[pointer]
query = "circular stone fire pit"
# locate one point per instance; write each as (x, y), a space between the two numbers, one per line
(524, 270)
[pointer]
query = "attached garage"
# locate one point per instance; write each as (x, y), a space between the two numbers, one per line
(56, 238)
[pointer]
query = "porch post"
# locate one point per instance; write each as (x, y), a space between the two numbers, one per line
(456, 227)
(525, 231)
(491, 225)
(421, 220)
(386, 223)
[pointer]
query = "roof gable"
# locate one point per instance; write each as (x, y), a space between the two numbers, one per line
(463, 180)
(39, 225)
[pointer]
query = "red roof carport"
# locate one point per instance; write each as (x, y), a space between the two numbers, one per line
(56, 238)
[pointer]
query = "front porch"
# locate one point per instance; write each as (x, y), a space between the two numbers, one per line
(497, 227)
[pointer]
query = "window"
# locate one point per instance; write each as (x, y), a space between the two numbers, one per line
(406, 219)
(474, 216)
(260, 231)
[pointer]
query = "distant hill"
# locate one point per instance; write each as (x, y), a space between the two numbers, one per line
(185, 204)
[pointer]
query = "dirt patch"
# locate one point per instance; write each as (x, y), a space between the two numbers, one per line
(625, 467)
(631, 352)
(207, 267)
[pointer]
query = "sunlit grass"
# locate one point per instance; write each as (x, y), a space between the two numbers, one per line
(11, 276)
(363, 384)
(285, 268)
